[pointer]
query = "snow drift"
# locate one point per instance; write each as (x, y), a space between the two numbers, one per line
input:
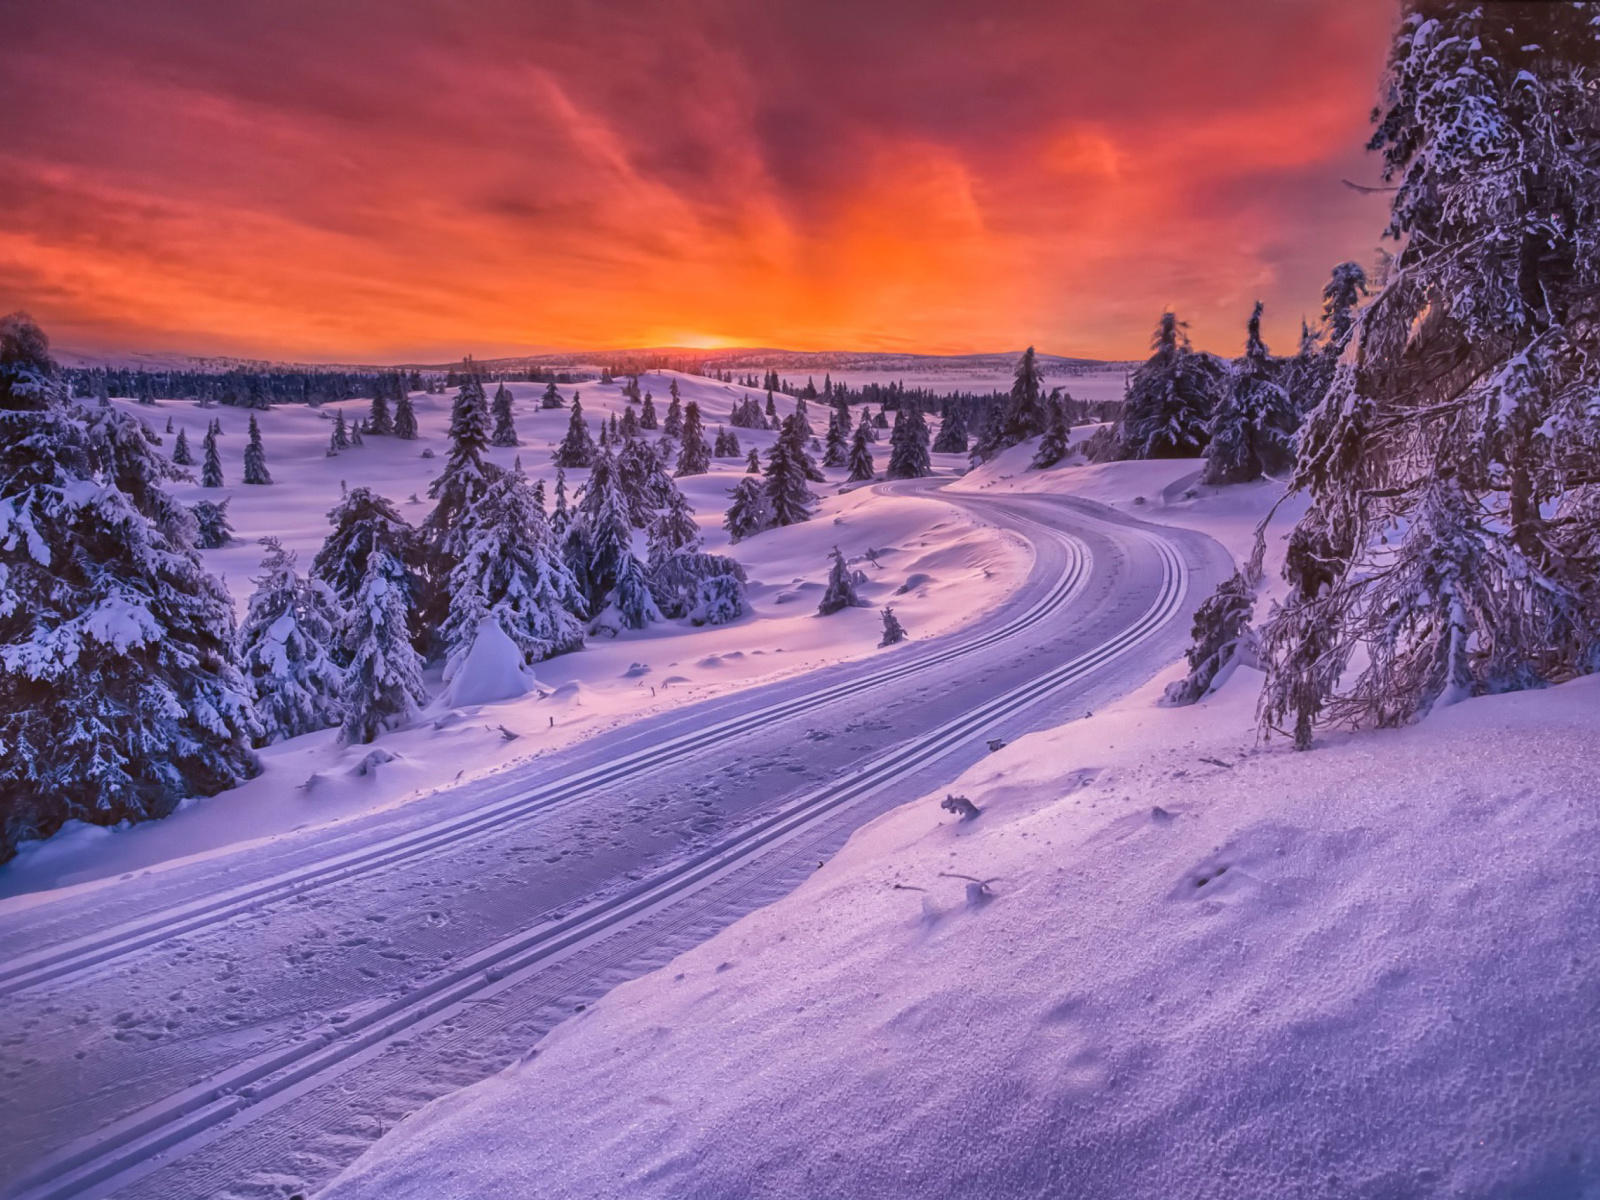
(1195, 968)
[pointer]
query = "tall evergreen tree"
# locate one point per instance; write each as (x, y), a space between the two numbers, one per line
(367, 524)
(861, 464)
(695, 456)
(908, 453)
(465, 477)
(750, 512)
(1168, 406)
(118, 691)
(212, 529)
(405, 418)
(647, 413)
(182, 456)
(617, 585)
(383, 684)
(285, 649)
(672, 529)
(1057, 439)
(788, 498)
(1252, 431)
(577, 449)
(551, 397)
(505, 427)
(752, 463)
(379, 420)
(1462, 414)
(953, 438)
(672, 427)
(510, 568)
(837, 449)
(211, 471)
(255, 457)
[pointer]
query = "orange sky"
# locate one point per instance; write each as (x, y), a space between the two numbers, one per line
(417, 179)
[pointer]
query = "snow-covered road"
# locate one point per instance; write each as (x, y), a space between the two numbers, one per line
(247, 1024)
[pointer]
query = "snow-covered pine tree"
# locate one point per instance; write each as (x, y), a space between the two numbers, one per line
(789, 500)
(405, 418)
(647, 413)
(750, 512)
(1057, 440)
(211, 471)
(630, 424)
(841, 590)
(551, 397)
(212, 529)
(364, 524)
(510, 568)
(255, 457)
(1170, 398)
(694, 458)
(908, 452)
(560, 514)
(837, 451)
(118, 691)
(355, 434)
(881, 420)
(1221, 628)
(672, 530)
(1252, 429)
(618, 589)
(341, 432)
(803, 417)
(577, 449)
(953, 438)
(672, 427)
(1463, 411)
(505, 427)
(284, 649)
(752, 463)
(379, 419)
(383, 683)
(893, 632)
(773, 420)
(182, 456)
(861, 464)
(458, 487)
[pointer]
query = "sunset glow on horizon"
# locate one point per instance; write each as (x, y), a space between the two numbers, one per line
(418, 180)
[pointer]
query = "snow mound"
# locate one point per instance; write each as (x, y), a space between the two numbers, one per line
(635, 670)
(913, 581)
(710, 660)
(492, 669)
(1363, 972)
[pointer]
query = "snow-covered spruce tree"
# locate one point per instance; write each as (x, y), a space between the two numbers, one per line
(908, 445)
(1252, 429)
(405, 418)
(836, 452)
(1024, 413)
(285, 647)
(750, 512)
(560, 514)
(1462, 413)
(1057, 440)
(458, 487)
(861, 464)
(212, 529)
(673, 529)
(551, 398)
(672, 427)
(510, 568)
(255, 457)
(182, 456)
(694, 458)
(708, 589)
(355, 434)
(505, 427)
(379, 419)
(841, 590)
(577, 449)
(647, 413)
(630, 424)
(364, 524)
(789, 500)
(1221, 629)
(618, 590)
(341, 432)
(211, 471)
(893, 632)
(118, 691)
(1170, 398)
(803, 417)
(383, 682)
(952, 437)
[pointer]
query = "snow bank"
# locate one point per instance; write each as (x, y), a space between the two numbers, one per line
(1204, 968)
(492, 670)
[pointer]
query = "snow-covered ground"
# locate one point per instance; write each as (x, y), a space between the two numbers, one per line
(939, 567)
(1168, 958)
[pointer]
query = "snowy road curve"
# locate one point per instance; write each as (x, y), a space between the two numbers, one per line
(246, 1025)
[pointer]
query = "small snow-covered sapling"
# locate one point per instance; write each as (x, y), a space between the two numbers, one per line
(961, 806)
